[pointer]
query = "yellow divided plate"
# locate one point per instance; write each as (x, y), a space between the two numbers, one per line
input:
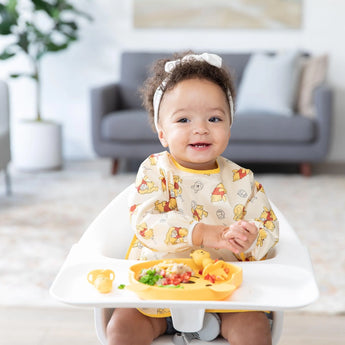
(198, 288)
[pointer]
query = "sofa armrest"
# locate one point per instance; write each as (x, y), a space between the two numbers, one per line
(104, 99)
(323, 102)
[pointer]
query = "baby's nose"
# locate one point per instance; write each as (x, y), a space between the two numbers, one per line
(200, 128)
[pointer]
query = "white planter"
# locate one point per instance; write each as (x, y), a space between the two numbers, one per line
(38, 145)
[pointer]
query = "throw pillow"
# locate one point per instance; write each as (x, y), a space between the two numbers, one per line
(269, 84)
(313, 74)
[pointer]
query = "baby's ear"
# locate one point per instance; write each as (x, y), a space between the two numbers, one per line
(161, 137)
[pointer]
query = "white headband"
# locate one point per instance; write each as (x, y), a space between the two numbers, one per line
(211, 59)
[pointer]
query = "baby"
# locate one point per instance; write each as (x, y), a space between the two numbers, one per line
(190, 197)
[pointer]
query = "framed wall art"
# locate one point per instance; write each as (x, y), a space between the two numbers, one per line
(218, 14)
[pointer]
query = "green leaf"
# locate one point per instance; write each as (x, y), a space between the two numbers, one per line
(52, 47)
(23, 41)
(6, 54)
(12, 5)
(41, 5)
(69, 26)
(8, 17)
(19, 75)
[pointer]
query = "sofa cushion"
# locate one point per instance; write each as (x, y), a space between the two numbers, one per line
(135, 67)
(272, 128)
(128, 125)
(269, 84)
(313, 74)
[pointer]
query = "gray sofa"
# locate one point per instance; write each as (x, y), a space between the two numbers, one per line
(120, 127)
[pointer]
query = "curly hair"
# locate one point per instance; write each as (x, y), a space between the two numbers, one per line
(189, 69)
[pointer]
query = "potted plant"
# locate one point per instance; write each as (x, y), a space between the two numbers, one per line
(36, 28)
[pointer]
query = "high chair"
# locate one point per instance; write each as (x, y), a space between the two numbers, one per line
(109, 236)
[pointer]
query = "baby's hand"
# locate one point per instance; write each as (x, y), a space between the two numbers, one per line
(241, 236)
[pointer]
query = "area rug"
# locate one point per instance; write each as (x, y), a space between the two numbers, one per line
(49, 211)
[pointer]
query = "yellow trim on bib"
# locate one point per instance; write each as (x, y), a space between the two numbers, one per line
(193, 171)
(155, 312)
(130, 246)
(165, 312)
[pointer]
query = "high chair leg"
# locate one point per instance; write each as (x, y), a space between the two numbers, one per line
(102, 317)
(277, 326)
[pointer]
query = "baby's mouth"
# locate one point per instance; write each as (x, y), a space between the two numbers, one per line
(200, 145)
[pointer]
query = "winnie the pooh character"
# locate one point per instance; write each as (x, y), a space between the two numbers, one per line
(198, 212)
(166, 206)
(201, 258)
(163, 180)
(267, 218)
(197, 186)
(261, 236)
(153, 159)
(259, 187)
(239, 212)
(212, 270)
(175, 188)
(144, 231)
(145, 186)
(219, 193)
(176, 235)
(239, 174)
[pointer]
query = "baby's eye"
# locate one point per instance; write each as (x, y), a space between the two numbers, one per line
(182, 120)
(215, 119)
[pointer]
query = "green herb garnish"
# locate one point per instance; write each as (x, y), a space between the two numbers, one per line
(150, 278)
(172, 286)
(121, 286)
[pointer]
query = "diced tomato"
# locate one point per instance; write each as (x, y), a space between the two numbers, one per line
(226, 270)
(177, 281)
(210, 277)
(186, 276)
(174, 278)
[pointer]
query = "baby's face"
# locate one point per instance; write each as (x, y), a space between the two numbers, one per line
(194, 122)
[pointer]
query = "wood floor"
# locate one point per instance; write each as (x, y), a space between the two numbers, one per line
(55, 326)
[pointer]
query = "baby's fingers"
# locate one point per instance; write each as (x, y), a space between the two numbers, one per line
(237, 231)
(234, 246)
(250, 227)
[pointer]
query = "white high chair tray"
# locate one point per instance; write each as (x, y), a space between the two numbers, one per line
(285, 281)
(266, 285)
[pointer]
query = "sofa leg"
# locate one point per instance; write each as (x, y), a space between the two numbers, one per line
(305, 169)
(115, 166)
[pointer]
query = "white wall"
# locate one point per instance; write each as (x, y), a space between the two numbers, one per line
(68, 76)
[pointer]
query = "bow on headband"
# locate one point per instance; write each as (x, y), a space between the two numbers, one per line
(211, 59)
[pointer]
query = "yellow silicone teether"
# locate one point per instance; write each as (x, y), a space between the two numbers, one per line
(213, 270)
(102, 279)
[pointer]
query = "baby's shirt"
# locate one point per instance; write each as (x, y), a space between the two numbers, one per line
(168, 200)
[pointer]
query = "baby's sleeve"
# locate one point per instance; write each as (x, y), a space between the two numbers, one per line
(259, 211)
(154, 215)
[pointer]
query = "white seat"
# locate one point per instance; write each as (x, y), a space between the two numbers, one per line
(110, 234)
(5, 152)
